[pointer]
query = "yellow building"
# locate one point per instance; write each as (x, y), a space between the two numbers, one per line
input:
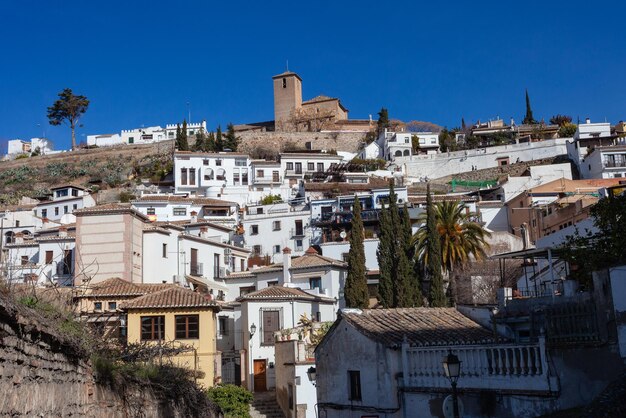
(179, 316)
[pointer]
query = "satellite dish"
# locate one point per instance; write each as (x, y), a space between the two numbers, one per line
(448, 407)
(343, 234)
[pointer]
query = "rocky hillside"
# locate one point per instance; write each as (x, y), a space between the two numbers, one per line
(97, 168)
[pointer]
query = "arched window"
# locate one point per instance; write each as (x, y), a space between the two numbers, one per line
(9, 237)
(220, 174)
(208, 174)
(406, 153)
(398, 153)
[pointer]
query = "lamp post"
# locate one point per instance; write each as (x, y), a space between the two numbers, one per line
(452, 369)
(312, 374)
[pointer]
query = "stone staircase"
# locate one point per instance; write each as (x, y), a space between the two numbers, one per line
(264, 406)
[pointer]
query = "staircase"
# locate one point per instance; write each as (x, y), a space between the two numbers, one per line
(264, 406)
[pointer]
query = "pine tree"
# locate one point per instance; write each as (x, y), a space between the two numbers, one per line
(219, 143)
(386, 257)
(183, 144)
(231, 141)
(528, 119)
(434, 263)
(200, 143)
(355, 290)
(209, 145)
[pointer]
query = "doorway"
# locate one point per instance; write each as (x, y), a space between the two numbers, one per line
(260, 375)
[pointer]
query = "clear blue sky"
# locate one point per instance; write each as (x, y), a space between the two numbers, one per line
(140, 62)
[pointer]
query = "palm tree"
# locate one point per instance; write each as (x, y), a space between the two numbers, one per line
(461, 236)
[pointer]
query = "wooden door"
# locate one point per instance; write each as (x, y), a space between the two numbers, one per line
(260, 376)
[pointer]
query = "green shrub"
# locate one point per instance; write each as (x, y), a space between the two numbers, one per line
(126, 197)
(234, 400)
(271, 198)
(21, 156)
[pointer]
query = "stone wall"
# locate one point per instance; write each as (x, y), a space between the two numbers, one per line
(340, 141)
(44, 375)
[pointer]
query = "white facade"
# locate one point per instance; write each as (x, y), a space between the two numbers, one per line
(144, 135)
(65, 200)
(339, 251)
(299, 166)
(592, 130)
(604, 163)
(167, 208)
(192, 129)
(270, 228)
(18, 146)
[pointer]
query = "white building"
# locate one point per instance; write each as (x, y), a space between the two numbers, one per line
(400, 144)
(65, 200)
(270, 228)
(604, 162)
(171, 208)
(303, 166)
(143, 135)
(192, 129)
(339, 251)
(17, 146)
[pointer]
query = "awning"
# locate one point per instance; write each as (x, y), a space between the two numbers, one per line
(209, 284)
(104, 318)
(530, 253)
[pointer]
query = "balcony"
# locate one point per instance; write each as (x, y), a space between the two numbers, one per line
(510, 367)
(345, 217)
(613, 164)
(297, 233)
(294, 172)
(267, 180)
(196, 269)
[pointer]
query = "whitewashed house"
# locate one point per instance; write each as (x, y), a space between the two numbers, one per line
(192, 128)
(65, 200)
(604, 162)
(303, 166)
(172, 208)
(17, 146)
(400, 144)
(270, 228)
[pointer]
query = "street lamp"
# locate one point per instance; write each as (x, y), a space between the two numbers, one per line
(312, 373)
(252, 329)
(452, 369)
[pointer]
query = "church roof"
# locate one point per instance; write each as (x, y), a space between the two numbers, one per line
(287, 74)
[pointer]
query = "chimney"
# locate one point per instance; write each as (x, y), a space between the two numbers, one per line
(19, 238)
(286, 265)
(587, 121)
(204, 231)
(194, 216)
(63, 231)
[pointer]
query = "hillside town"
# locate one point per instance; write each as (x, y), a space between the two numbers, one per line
(338, 267)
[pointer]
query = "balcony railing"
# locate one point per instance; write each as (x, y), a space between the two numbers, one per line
(615, 163)
(514, 367)
(267, 180)
(296, 233)
(196, 269)
(344, 217)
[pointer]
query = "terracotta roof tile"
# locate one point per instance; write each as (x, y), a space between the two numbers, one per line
(420, 326)
(172, 297)
(315, 260)
(283, 293)
(115, 287)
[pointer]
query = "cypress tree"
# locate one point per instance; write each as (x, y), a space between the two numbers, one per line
(200, 143)
(177, 139)
(209, 145)
(383, 120)
(528, 119)
(385, 256)
(414, 283)
(219, 143)
(183, 145)
(231, 141)
(355, 290)
(434, 263)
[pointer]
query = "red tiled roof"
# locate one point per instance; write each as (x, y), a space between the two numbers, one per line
(420, 326)
(283, 293)
(172, 297)
(116, 287)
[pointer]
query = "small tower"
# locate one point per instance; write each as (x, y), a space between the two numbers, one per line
(287, 96)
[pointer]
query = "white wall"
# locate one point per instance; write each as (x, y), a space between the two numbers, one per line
(335, 250)
(445, 164)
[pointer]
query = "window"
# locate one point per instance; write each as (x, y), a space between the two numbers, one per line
(276, 226)
(191, 132)
(298, 245)
(311, 166)
(164, 250)
(298, 168)
(318, 316)
(183, 176)
(187, 327)
(260, 173)
(112, 306)
(75, 206)
(180, 211)
(315, 283)
(97, 306)
(192, 176)
(74, 192)
(270, 324)
(354, 381)
(49, 256)
(62, 193)
(236, 178)
(344, 257)
(223, 324)
(289, 166)
(275, 176)
(320, 166)
(218, 162)
(152, 328)
(150, 211)
(241, 162)
(276, 249)
(205, 162)
(244, 178)
(44, 213)
(284, 83)
(131, 140)
(245, 290)
(24, 260)
(259, 211)
(17, 224)
(65, 209)
(254, 229)
(56, 211)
